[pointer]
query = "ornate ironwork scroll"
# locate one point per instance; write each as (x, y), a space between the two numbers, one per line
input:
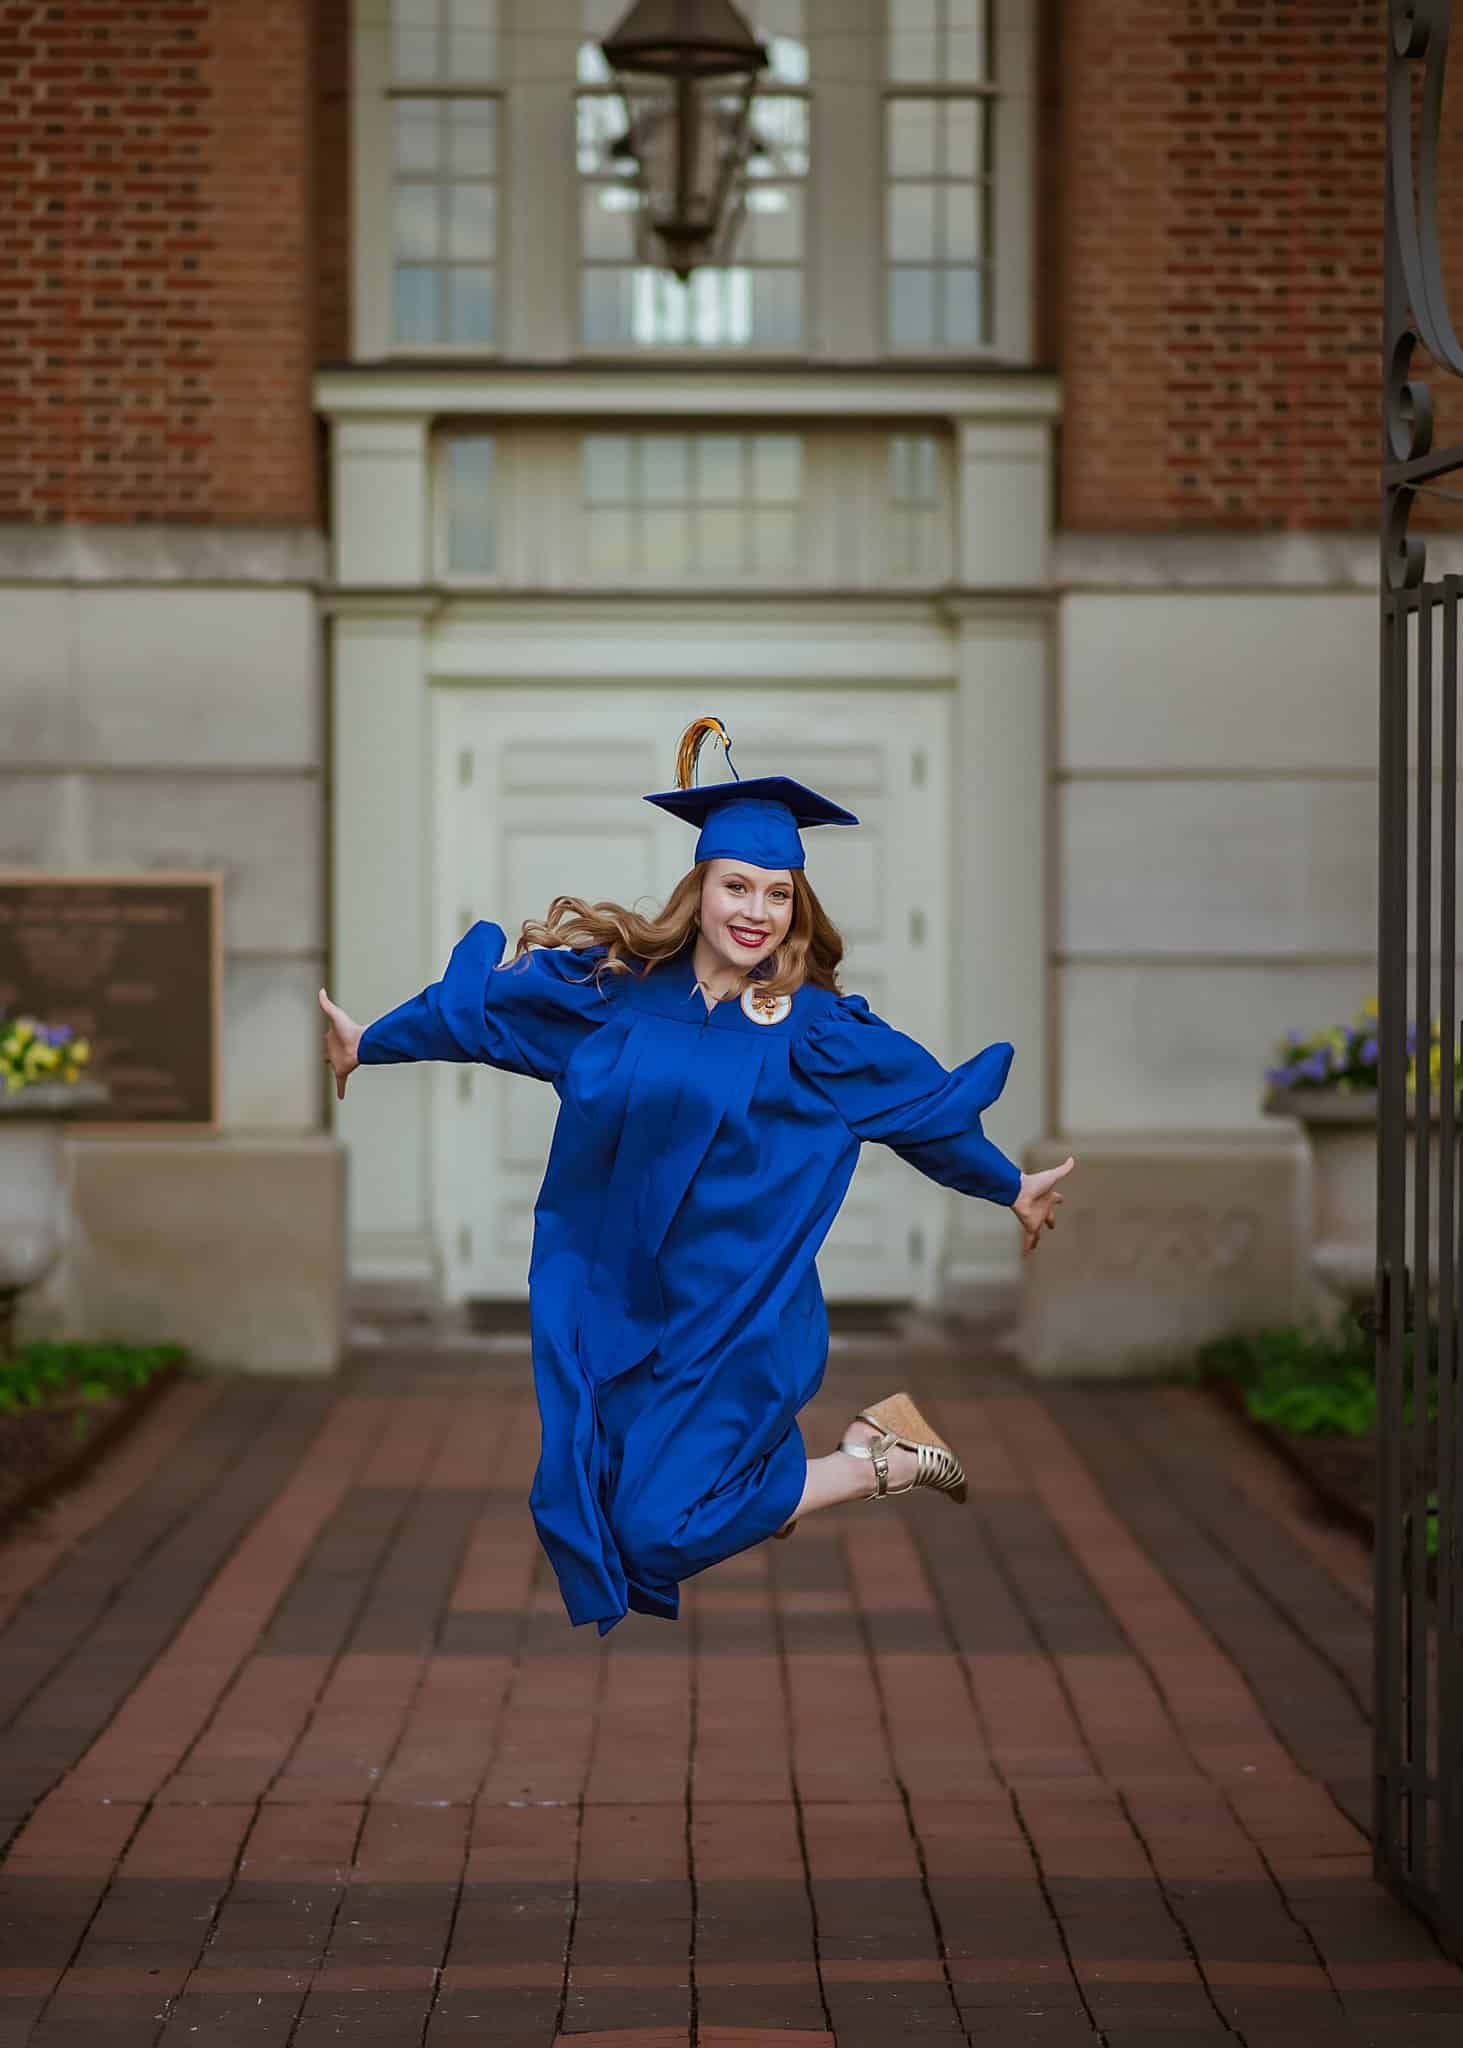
(1418, 1782)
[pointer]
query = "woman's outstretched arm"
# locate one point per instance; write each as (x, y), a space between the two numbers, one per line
(890, 1090)
(526, 1018)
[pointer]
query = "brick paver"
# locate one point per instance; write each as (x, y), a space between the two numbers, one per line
(299, 1749)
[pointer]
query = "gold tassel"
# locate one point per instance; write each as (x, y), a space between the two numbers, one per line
(692, 740)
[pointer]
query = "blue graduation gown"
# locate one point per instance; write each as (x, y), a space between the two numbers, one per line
(697, 1163)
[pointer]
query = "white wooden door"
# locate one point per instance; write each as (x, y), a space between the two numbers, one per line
(538, 794)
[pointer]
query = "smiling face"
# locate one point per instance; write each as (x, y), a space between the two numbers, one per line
(745, 911)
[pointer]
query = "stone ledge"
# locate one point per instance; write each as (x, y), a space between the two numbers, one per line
(1164, 1242)
(232, 1246)
(162, 554)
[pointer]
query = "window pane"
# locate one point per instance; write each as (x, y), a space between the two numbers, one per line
(926, 452)
(609, 545)
(471, 216)
(472, 39)
(964, 58)
(967, 44)
(418, 237)
(964, 139)
(776, 538)
(607, 223)
(964, 207)
(911, 308)
(777, 467)
(913, 39)
(963, 296)
(721, 543)
(661, 305)
(599, 125)
(911, 138)
(910, 211)
(417, 302)
(469, 305)
(607, 468)
(418, 136)
(772, 231)
(590, 67)
(414, 51)
(665, 544)
(719, 468)
(605, 297)
(475, 137)
(776, 315)
(665, 468)
(470, 536)
(781, 127)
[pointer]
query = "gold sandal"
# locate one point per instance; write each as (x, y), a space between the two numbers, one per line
(900, 1422)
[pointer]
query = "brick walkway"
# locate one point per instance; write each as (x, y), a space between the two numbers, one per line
(299, 1749)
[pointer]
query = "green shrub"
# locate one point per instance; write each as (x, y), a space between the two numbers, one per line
(1311, 1381)
(39, 1373)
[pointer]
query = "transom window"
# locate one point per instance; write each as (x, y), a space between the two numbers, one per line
(814, 504)
(662, 507)
(445, 172)
(937, 170)
(755, 301)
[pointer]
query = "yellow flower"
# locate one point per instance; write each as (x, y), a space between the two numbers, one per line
(79, 1051)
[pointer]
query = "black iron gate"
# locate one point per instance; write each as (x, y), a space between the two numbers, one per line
(1419, 1572)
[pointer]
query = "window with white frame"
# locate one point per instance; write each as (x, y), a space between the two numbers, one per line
(937, 174)
(756, 300)
(715, 507)
(444, 111)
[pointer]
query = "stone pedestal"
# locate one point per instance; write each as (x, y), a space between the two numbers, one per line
(1164, 1242)
(234, 1247)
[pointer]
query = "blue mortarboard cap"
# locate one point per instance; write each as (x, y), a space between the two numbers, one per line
(754, 821)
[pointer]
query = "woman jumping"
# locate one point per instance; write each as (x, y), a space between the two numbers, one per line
(714, 1089)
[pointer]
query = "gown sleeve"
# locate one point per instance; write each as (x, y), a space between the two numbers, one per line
(527, 1018)
(890, 1090)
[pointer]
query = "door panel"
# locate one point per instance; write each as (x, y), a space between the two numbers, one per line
(538, 795)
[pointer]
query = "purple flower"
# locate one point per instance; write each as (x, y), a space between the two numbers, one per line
(1369, 1052)
(1316, 1068)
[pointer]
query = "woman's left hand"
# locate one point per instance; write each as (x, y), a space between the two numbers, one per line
(1036, 1206)
(342, 1036)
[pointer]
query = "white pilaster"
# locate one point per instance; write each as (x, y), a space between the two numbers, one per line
(1005, 504)
(381, 950)
(380, 479)
(843, 274)
(999, 940)
(372, 149)
(538, 269)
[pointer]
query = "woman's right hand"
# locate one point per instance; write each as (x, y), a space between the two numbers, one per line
(342, 1036)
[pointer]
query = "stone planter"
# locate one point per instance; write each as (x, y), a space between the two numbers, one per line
(34, 1205)
(1341, 1132)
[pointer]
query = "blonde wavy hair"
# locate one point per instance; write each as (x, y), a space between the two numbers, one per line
(810, 953)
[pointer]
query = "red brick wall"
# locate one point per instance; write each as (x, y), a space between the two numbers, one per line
(332, 181)
(157, 305)
(1218, 281)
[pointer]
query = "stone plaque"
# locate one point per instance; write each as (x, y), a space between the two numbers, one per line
(132, 963)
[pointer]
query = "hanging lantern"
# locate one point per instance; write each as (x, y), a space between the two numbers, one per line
(687, 71)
